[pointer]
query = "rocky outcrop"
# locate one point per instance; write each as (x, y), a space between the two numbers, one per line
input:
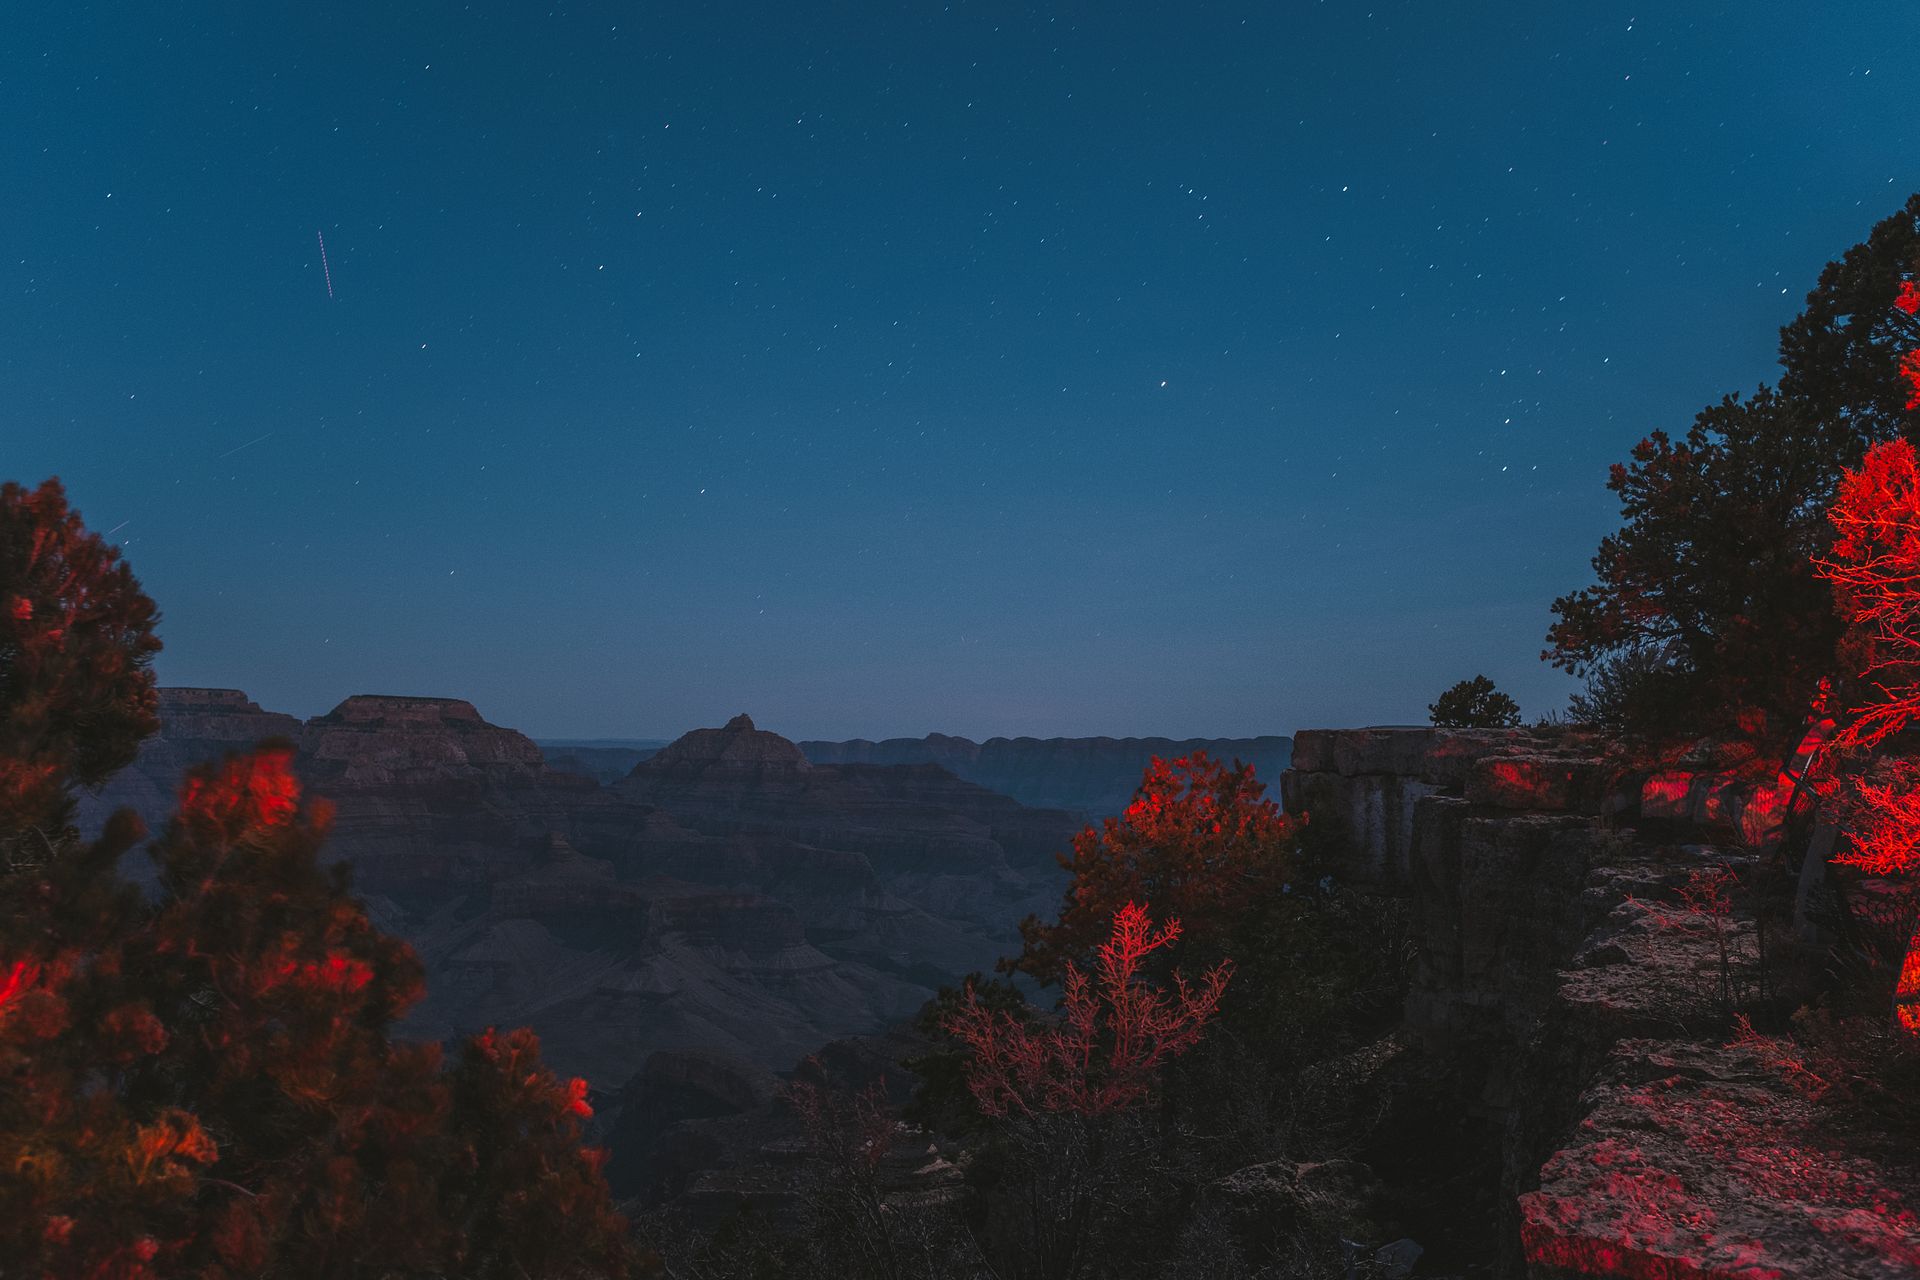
(1093, 777)
(1703, 1162)
(377, 738)
(736, 749)
(1570, 1001)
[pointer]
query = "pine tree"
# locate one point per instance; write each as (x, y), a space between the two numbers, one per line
(76, 651)
(1474, 704)
(206, 1084)
(1711, 569)
(1874, 570)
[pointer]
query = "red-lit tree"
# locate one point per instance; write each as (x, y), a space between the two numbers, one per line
(1070, 1169)
(1106, 1051)
(207, 1085)
(1707, 593)
(1200, 840)
(1874, 569)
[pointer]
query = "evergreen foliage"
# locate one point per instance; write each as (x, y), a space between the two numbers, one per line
(1712, 566)
(206, 1084)
(1474, 704)
(76, 653)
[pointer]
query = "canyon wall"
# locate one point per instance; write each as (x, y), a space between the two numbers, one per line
(727, 897)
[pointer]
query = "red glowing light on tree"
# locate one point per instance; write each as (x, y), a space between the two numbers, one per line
(257, 789)
(1107, 1049)
(1875, 571)
(1200, 839)
(22, 975)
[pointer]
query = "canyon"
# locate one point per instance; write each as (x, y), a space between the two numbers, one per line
(1564, 1096)
(726, 897)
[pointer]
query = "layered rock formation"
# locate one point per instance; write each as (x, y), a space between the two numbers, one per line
(893, 865)
(1094, 777)
(728, 898)
(1569, 1002)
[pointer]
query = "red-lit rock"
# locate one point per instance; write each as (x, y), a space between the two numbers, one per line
(1547, 783)
(1697, 1162)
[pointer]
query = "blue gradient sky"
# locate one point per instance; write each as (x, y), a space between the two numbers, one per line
(1128, 369)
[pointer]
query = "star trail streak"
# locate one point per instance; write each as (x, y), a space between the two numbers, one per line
(324, 270)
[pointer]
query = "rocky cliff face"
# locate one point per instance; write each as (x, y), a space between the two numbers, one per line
(932, 858)
(1093, 777)
(728, 898)
(1568, 1003)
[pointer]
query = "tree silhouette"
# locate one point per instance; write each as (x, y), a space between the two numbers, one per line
(1711, 570)
(1474, 704)
(76, 649)
(1712, 566)
(1844, 356)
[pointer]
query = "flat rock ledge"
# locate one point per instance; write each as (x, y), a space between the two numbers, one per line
(1560, 964)
(1701, 1162)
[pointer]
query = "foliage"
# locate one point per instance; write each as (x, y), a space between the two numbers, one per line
(1318, 971)
(1058, 1196)
(1064, 1180)
(942, 1101)
(1880, 811)
(1712, 564)
(853, 1227)
(76, 649)
(1199, 839)
(1623, 691)
(1872, 568)
(1712, 568)
(1845, 357)
(1106, 1052)
(206, 1085)
(1474, 704)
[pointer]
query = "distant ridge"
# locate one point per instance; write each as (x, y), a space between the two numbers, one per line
(1093, 777)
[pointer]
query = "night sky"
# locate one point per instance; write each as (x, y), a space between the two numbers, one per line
(1184, 369)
